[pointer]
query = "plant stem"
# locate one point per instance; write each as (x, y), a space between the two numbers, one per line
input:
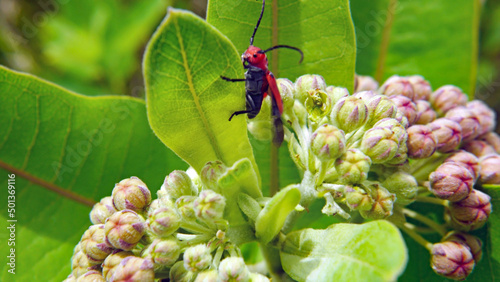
(273, 261)
(427, 221)
(432, 200)
(274, 170)
(408, 228)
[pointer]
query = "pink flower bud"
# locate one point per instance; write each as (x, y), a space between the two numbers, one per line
(364, 83)
(421, 87)
(131, 194)
(490, 169)
(448, 134)
(467, 120)
(425, 112)
(421, 142)
(113, 260)
(479, 148)
(124, 229)
(451, 182)
(397, 85)
(407, 107)
(446, 98)
(467, 160)
(102, 210)
(473, 211)
(485, 115)
(94, 245)
(134, 269)
(492, 139)
(452, 260)
(472, 242)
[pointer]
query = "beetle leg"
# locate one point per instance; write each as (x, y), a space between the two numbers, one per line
(232, 79)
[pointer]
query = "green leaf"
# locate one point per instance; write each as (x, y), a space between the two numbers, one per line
(345, 252)
(67, 151)
(436, 39)
(321, 29)
(188, 103)
(273, 216)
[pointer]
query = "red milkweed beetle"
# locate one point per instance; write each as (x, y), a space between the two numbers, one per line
(259, 81)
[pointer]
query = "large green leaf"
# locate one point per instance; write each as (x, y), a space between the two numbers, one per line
(321, 29)
(188, 103)
(373, 251)
(67, 151)
(436, 39)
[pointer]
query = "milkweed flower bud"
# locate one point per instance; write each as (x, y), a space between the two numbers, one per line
(403, 185)
(209, 205)
(467, 160)
(164, 221)
(208, 276)
(114, 259)
(474, 244)
(163, 252)
(308, 82)
(336, 93)
(425, 113)
(446, 98)
(134, 269)
(357, 199)
(381, 142)
(91, 276)
(479, 148)
(124, 229)
(318, 104)
(328, 142)
(492, 139)
(365, 95)
(131, 194)
(407, 107)
(70, 278)
(490, 169)
(349, 113)
(467, 120)
(80, 264)
(257, 277)
(448, 134)
(401, 156)
(485, 115)
(93, 244)
(398, 86)
(380, 107)
(210, 174)
(421, 87)
(402, 119)
(451, 182)
(300, 112)
(452, 260)
(178, 184)
(197, 258)
(472, 212)
(102, 210)
(233, 269)
(421, 142)
(364, 83)
(185, 206)
(353, 166)
(286, 89)
(383, 202)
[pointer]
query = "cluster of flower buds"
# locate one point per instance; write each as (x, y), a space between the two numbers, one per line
(382, 148)
(180, 235)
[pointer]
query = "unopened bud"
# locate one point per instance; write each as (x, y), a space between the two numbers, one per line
(446, 98)
(473, 211)
(403, 185)
(134, 269)
(365, 95)
(485, 115)
(318, 104)
(208, 276)
(349, 113)
(364, 83)
(286, 89)
(382, 141)
(328, 142)
(383, 202)
(421, 87)
(300, 112)
(197, 258)
(163, 252)
(185, 206)
(70, 278)
(210, 174)
(358, 199)
(131, 194)
(91, 276)
(467, 160)
(474, 244)
(451, 182)
(164, 221)
(114, 259)
(124, 229)
(490, 169)
(479, 148)
(452, 260)
(448, 134)
(492, 139)
(467, 120)
(421, 142)
(93, 244)
(336, 93)
(209, 205)
(178, 184)
(80, 264)
(308, 82)
(398, 86)
(380, 107)
(102, 210)
(233, 269)
(407, 107)
(353, 166)
(425, 113)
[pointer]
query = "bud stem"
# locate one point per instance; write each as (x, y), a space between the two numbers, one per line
(409, 228)
(195, 227)
(301, 132)
(432, 200)
(320, 176)
(427, 221)
(422, 168)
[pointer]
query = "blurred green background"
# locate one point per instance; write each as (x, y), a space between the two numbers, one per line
(95, 47)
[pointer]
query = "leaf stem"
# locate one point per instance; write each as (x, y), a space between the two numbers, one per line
(273, 262)
(427, 221)
(409, 228)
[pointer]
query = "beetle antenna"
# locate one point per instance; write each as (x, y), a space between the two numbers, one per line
(258, 22)
(285, 46)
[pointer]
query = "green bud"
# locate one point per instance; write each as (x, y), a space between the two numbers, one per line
(197, 258)
(110, 263)
(70, 278)
(318, 104)
(257, 277)
(380, 107)
(102, 210)
(185, 206)
(164, 221)
(421, 87)
(336, 93)
(207, 276)
(233, 269)
(287, 89)
(382, 141)
(93, 244)
(357, 199)
(403, 185)
(300, 112)
(328, 142)
(306, 83)
(163, 252)
(178, 184)
(383, 202)
(452, 260)
(124, 229)
(210, 174)
(364, 83)
(398, 86)
(134, 269)
(401, 157)
(261, 129)
(131, 194)
(91, 276)
(179, 273)
(349, 113)
(353, 166)
(209, 205)
(80, 264)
